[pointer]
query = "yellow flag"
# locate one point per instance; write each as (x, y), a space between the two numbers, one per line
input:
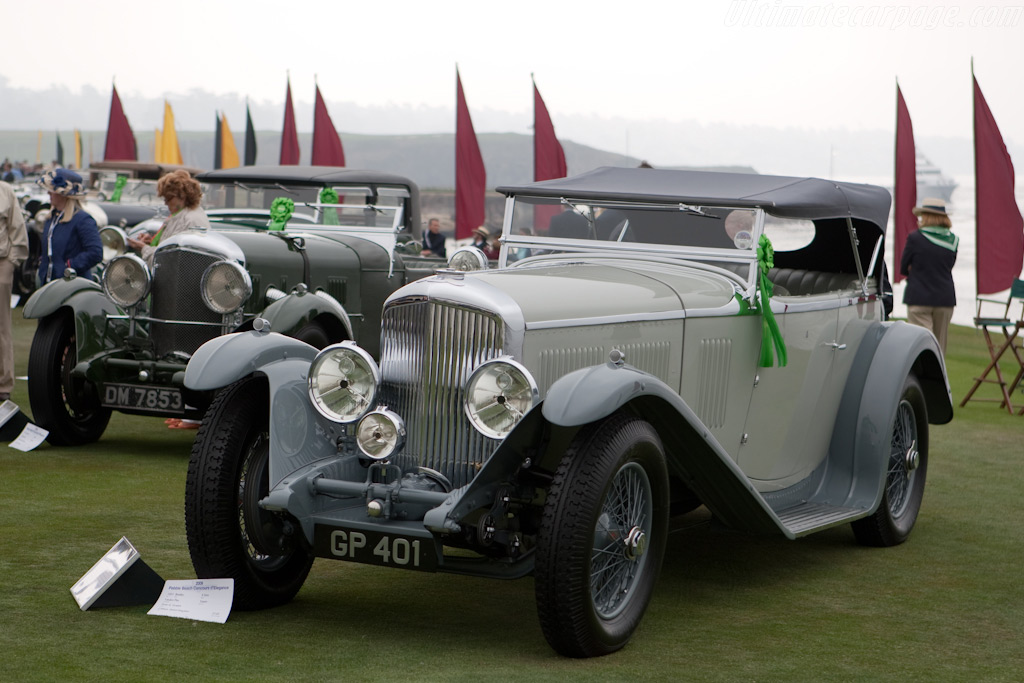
(228, 151)
(169, 140)
(158, 147)
(78, 149)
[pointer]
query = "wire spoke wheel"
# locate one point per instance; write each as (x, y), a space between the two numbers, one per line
(906, 470)
(229, 535)
(602, 537)
(620, 540)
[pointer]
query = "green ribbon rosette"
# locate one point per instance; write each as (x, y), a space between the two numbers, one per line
(119, 184)
(771, 336)
(329, 195)
(281, 210)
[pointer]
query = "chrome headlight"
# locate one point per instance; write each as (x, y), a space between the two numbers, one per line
(380, 434)
(343, 381)
(225, 286)
(467, 259)
(126, 280)
(114, 242)
(498, 394)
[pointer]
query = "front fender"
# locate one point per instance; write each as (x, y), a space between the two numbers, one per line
(289, 314)
(57, 293)
(226, 359)
(692, 452)
(593, 393)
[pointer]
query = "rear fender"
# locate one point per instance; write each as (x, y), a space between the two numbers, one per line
(227, 359)
(291, 313)
(859, 450)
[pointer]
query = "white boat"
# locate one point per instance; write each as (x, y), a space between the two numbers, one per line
(931, 182)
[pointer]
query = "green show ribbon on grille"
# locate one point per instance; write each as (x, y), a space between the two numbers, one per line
(280, 211)
(119, 184)
(771, 336)
(329, 195)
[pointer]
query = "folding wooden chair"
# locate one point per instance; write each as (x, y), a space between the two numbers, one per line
(1013, 341)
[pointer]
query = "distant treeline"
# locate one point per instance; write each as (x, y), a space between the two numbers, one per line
(429, 160)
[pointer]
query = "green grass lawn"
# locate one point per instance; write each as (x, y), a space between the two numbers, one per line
(946, 605)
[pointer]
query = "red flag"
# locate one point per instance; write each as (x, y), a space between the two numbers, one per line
(327, 150)
(470, 174)
(999, 228)
(289, 136)
(548, 156)
(905, 191)
(120, 145)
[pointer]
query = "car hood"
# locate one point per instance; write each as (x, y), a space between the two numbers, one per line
(576, 291)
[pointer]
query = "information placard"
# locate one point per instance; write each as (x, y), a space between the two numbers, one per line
(198, 599)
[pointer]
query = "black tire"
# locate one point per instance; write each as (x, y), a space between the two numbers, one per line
(894, 519)
(619, 462)
(68, 408)
(229, 536)
(313, 334)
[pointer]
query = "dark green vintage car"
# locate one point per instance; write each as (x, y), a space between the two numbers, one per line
(123, 344)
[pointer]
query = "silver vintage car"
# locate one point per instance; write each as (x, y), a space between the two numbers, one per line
(652, 341)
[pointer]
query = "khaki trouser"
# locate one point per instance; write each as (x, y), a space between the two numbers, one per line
(934, 318)
(6, 343)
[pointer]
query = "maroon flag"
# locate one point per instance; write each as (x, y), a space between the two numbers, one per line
(999, 228)
(120, 145)
(289, 136)
(905, 191)
(470, 174)
(327, 149)
(548, 157)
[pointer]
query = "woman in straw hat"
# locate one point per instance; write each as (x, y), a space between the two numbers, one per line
(927, 262)
(70, 238)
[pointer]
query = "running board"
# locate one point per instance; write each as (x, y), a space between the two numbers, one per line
(804, 518)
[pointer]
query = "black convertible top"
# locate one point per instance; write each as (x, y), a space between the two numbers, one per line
(806, 198)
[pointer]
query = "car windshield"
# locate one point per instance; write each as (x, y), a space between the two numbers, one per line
(354, 206)
(544, 225)
(135, 190)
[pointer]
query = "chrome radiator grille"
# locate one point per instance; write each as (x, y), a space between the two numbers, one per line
(428, 352)
(176, 296)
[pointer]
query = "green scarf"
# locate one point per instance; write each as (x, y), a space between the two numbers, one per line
(940, 236)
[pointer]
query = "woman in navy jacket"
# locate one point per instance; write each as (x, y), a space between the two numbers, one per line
(71, 238)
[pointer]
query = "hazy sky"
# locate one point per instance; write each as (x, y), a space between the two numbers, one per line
(744, 62)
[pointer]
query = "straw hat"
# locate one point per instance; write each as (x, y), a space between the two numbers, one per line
(482, 231)
(931, 205)
(64, 182)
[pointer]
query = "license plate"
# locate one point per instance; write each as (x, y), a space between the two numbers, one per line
(375, 547)
(136, 397)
